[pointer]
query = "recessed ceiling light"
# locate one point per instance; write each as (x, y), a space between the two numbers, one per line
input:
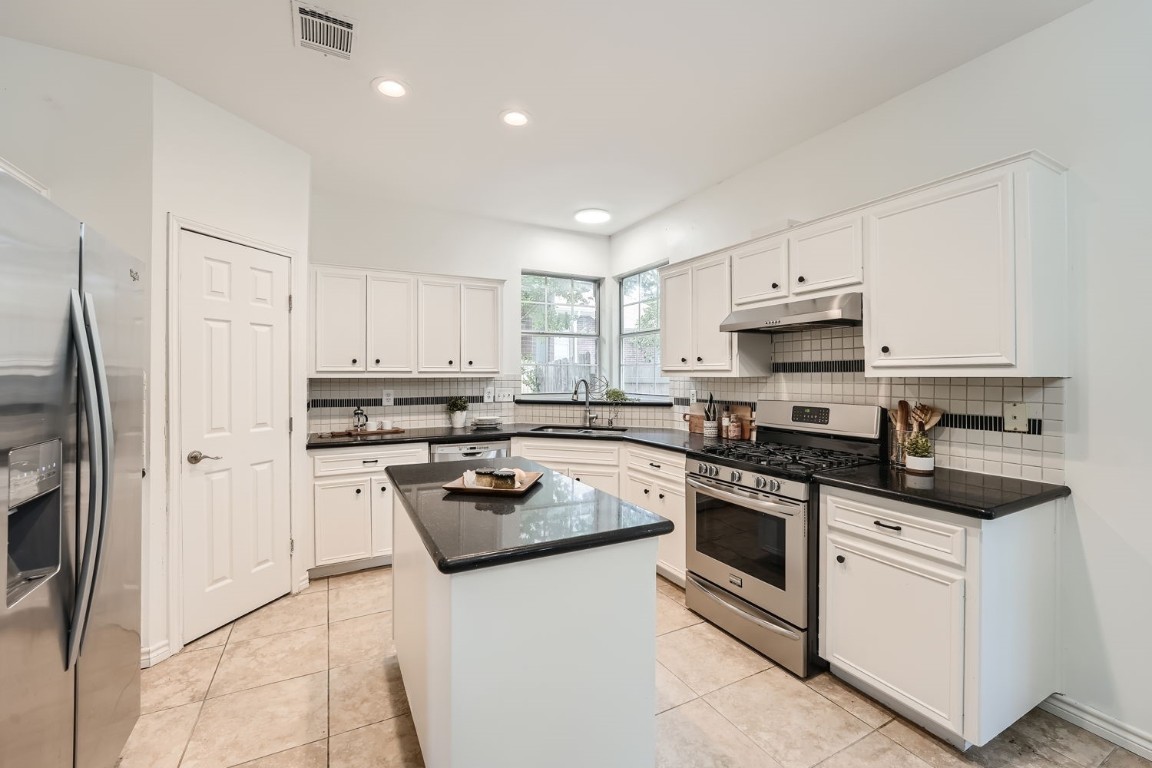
(514, 117)
(393, 88)
(592, 216)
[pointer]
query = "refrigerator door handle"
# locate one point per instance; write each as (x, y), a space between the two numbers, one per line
(88, 387)
(107, 441)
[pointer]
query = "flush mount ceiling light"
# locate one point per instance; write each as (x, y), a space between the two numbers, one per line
(514, 117)
(389, 87)
(592, 216)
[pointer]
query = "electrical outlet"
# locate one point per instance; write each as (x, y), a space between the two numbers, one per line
(388, 397)
(1015, 417)
(504, 396)
(489, 394)
(691, 396)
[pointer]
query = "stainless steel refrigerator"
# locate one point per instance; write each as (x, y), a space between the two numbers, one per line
(73, 347)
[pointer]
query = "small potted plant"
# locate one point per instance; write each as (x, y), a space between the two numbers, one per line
(457, 410)
(614, 396)
(918, 458)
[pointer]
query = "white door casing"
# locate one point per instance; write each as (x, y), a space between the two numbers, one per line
(234, 374)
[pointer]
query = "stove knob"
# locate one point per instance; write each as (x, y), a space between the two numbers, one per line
(702, 469)
(735, 476)
(761, 483)
(713, 471)
(775, 486)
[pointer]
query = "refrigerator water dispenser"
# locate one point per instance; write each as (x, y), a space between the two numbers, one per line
(34, 517)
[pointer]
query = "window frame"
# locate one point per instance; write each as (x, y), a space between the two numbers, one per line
(623, 336)
(597, 336)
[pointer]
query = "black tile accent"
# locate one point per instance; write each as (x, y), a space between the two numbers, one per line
(681, 401)
(985, 423)
(376, 402)
(820, 366)
(721, 403)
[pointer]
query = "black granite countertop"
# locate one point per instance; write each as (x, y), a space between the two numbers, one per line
(467, 531)
(668, 439)
(952, 490)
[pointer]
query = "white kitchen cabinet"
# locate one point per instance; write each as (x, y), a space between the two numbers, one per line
(968, 277)
(391, 324)
(695, 298)
(338, 316)
(439, 340)
(654, 479)
(591, 462)
(480, 329)
(759, 272)
(826, 254)
(605, 479)
(354, 502)
(947, 619)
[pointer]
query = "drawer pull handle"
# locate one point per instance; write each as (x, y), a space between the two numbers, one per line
(653, 464)
(889, 527)
(371, 461)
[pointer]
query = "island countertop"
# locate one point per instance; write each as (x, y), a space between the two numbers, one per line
(467, 531)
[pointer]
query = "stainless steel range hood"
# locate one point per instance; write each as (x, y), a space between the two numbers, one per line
(845, 309)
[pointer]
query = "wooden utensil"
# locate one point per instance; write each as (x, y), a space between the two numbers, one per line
(933, 419)
(904, 412)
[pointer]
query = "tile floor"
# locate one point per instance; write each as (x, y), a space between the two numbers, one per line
(311, 680)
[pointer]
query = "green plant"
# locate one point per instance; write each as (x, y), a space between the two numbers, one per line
(615, 395)
(918, 445)
(710, 409)
(457, 403)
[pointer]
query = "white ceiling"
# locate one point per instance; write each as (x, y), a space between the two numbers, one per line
(635, 103)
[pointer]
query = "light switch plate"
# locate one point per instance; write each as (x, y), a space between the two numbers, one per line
(504, 396)
(691, 397)
(1015, 417)
(388, 397)
(489, 394)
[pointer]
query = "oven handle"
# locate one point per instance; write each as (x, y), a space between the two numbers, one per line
(747, 501)
(771, 627)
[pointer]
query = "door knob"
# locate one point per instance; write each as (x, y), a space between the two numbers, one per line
(195, 457)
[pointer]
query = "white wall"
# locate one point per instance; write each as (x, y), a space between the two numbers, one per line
(354, 226)
(1079, 90)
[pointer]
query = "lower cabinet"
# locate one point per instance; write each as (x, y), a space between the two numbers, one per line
(654, 480)
(600, 478)
(591, 462)
(949, 620)
(353, 500)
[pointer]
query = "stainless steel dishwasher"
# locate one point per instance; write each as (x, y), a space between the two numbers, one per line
(461, 451)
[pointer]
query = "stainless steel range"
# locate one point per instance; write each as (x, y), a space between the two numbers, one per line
(752, 529)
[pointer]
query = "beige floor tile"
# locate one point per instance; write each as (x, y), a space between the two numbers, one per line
(847, 697)
(695, 736)
(360, 578)
(252, 663)
(210, 640)
(787, 719)
(1122, 758)
(284, 615)
(314, 585)
(670, 690)
(365, 693)
(1072, 741)
(390, 744)
(671, 616)
(314, 755)
(874, 751)
(925, 746)
(355, 640)
(180, 679)
(259, 722)
(706, 658)
(668, 589)
(359, 600)
(158, 739)
(1008, 750)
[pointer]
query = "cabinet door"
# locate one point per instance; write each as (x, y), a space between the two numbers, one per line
(760, 272)
(826, 255)
(711, 302)
(898, 623)
(942, 287)
(343, 515)
(391, 324)
(676, 320)
(607, 480)
(439, 342)
(480, 331)
(383, 503)
(638, 489)
(339, 315)
(672, 548)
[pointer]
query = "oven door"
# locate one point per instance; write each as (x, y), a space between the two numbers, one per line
(752, 544)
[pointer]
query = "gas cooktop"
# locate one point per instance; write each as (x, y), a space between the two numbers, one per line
(790, 459)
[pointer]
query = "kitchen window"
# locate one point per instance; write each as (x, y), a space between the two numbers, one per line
(559, 332)
(640, 334)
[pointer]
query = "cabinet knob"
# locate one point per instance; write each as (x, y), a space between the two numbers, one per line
(661, 495)
(353, 361)
(800, 279)
(449, 362)
(884, 349)
(699, 359)
(358, 491)
(377, 361)
(839, 558)
(469, 362)
(683, 359)
(775, 286)
(646, 491)
(383, 489)
(577, 479)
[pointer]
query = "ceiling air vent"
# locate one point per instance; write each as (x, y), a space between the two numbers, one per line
(322, 30)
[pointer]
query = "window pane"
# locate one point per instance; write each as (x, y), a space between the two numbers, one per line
(533, 288)
(532, 317)
(630, 289)
(649, 284)
(555, 364)
(649, 314)
(630, 318)
(640, 365)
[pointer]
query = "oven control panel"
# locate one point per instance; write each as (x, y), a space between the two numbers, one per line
(806, 414)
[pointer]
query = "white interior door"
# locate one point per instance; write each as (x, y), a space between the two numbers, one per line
(234, 373)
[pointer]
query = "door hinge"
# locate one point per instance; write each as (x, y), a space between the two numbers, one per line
(291, 546)
(289, 302)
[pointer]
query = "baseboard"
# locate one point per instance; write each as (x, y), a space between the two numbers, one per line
(152, 656)
(1104, 726)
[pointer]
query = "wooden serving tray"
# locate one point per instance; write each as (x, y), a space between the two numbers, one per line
(361, 433)
(530, 479)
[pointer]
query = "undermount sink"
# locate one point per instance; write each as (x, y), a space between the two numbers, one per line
(576, 430)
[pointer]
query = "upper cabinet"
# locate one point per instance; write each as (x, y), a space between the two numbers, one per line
(827, 254)
(398, 324)
(968, 277)
(759, 271)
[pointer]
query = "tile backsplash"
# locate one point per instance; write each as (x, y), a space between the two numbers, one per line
(822, 365)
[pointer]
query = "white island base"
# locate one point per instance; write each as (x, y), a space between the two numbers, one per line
(543, 662)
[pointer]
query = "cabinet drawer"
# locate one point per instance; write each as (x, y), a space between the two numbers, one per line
(662, 464)
(357, 461)
(565, 452)
(928, 538)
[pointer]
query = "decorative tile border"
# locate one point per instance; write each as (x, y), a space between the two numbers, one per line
(377, 402)
(820, 366)
(985, 423)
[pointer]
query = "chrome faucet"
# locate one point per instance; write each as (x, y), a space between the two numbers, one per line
(589, 419)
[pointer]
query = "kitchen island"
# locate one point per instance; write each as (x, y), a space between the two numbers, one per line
(525, 626)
